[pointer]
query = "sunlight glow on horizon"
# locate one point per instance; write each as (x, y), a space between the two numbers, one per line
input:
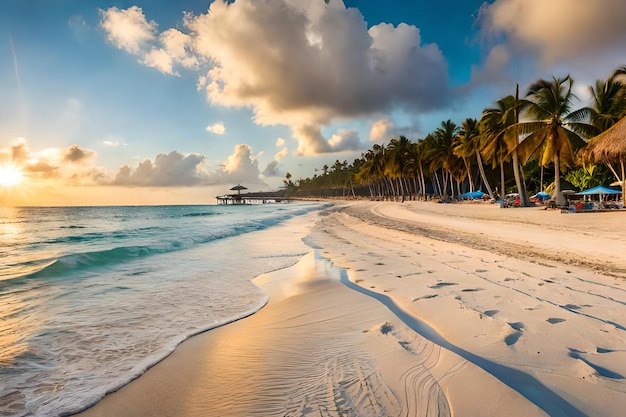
(10, 176)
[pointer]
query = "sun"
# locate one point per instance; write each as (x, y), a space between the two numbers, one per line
(10, 176)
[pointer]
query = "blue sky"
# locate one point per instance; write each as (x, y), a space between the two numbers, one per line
(159, 102)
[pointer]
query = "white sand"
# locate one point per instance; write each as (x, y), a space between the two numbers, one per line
(518, 312)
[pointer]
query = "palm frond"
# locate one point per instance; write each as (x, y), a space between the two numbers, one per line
(579, 115)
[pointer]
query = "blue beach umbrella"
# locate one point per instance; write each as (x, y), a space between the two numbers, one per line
(600, 189)
(473, 195)
(542, 195)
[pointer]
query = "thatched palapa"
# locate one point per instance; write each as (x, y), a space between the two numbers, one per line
(610, 147)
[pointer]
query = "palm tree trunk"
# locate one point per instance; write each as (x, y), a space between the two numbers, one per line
(560, 198)
(481, 168)
(503, 190)
(521, 188)
(440, 191)
(423, 180)
(469, 174)
(518, 182)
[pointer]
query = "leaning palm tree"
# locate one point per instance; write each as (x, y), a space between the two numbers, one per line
(468, 145)
(440, 145)
(499, 141)
(556, 131)
(463, 148)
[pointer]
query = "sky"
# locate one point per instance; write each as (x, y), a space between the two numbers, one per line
(106, 102)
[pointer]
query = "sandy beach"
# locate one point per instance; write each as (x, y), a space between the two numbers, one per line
(416, 309)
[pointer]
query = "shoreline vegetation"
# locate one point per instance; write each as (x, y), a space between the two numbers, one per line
(524, 145)
(416, 309)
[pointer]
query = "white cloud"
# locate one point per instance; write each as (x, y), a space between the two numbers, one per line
(75, 165)
(217, 128)
(72, 165)
(113, 143)
(280, 142)
(530, 39)
(345, 140)
(173, 169)
(271, 170)
(558, 29)
(281, 154)
(311, 63)
(380, 130)
(128, 29)
(176, 169)
(240, 167)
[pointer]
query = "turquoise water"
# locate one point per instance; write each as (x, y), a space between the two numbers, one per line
(90, 297)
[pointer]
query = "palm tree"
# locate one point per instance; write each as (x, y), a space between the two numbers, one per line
(499, 142)
(556, 131)
(372, 171)
(440, 153)
(399, 154)
(608, 102)
(418, 158)
(469, 144)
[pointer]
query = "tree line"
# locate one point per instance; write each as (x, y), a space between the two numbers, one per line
(520, 144)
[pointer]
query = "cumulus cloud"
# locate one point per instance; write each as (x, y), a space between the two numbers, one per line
(557, 29)
(72, 165)
(345, 140)
(173, 169)
(75, 165)
(280, 142)
(271, 170)
(128, 29)
(217, 128)
(281, 154)
(380, 130)
(293, 62)
(241, 166)
(176, 169)
(531, 36)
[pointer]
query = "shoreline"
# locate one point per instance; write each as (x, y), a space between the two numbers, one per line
(555, 322)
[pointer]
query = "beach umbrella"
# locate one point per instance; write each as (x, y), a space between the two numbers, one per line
(238, 188)
(473, 195)
(541, 195)
(610, 147)
(600, 189)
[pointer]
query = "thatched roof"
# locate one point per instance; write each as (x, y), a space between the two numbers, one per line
(610, 145)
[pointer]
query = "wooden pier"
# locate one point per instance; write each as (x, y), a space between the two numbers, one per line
(251, 198)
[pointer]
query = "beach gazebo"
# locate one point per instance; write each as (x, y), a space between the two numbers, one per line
(238, 188)
(610, 147)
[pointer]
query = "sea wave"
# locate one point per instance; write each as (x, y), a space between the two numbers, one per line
(164, 241)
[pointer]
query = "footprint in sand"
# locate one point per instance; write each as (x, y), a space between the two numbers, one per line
(386, 328)
(491, 313)
(514, 337)
(555, 320)
(604, 372)
(425, 297)
(442, 284)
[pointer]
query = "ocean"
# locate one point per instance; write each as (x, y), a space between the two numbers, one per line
(90, 297)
